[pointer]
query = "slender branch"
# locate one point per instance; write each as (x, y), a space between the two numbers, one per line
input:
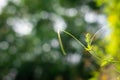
(61, 45)
(92, 52)
(74, 38)
(96, 34)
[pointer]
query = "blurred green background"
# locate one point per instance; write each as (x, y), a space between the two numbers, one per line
(29, 47)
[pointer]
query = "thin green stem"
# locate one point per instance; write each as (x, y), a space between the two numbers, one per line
(95, 35)
(74, 38)
(61, 45)
(92, 52)
(62, 48)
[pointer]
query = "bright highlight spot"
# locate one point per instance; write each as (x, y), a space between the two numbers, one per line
(3, 3)
(73, 58)
(58, 23)
(90, 17)
(20, 26)
(54, 43)
(71, 12)
(101, 19)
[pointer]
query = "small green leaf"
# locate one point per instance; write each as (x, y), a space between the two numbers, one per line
(104, 63)
(107, 60)
(88, 48)
(87, 39)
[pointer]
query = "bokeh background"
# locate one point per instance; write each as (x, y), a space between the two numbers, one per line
(29, 46)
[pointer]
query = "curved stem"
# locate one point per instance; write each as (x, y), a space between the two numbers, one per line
(92, 52)
(95, 34)
(74, 38)
(61, 45)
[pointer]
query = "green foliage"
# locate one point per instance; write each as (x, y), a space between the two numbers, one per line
(61, 45)
(88, 41)
(104, 60)
(37, 56)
